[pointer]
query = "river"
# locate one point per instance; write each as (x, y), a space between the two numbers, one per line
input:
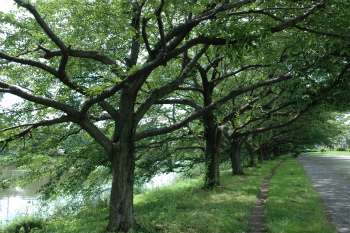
(15, 200)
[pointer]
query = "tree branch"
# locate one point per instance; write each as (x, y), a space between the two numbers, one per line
(43, 24)
(54, 121)
(168, 88)
(28, 62)
(70, 111)
(298, 19)
(214, 105)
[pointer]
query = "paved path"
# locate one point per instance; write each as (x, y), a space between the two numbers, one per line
(330, 175)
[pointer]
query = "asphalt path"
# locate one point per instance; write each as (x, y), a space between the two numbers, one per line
(330, 175)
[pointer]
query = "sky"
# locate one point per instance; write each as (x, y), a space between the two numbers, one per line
(6, 5)
(8, 100)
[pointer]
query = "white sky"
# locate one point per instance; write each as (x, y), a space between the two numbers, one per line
(6, 5)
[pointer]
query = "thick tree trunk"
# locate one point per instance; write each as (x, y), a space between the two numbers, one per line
(212, 139)
(121, 216)
(236, 158)
(122, 158)
(212, 174)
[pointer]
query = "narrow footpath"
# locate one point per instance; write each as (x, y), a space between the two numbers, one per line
(330, 175)
(257, 223)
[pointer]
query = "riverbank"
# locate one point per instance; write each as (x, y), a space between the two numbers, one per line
(185, 207)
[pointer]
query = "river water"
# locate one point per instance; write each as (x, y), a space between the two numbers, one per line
(16, 200)
(24, 201)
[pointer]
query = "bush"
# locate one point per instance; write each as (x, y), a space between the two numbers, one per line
(323, 149)
(340, 148)
(294, 155)
(25, 225)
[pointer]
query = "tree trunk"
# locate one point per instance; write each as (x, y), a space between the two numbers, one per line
(122, 158)
(212, 137)
(236, 158)
(261, 155)
(267, 154)
(121, 216)
(251, 155)
(212, 174)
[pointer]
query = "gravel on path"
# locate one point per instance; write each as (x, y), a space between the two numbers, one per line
(332, 185)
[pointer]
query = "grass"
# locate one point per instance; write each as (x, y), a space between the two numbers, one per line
(327, 153)
(186, 207)
(292, 204)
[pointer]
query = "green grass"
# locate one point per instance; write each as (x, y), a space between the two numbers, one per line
(327, 153)
(186, 207)
(292, 204)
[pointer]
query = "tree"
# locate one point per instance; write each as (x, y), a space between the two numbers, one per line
(112, 62)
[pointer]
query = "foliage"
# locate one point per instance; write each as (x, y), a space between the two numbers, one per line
(340, 148)
(295, 154)
(25, 225)
(322, 149)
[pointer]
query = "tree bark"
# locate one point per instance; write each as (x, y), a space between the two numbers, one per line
(213, 142)
(261, 155)
(235, 155)
(121, 216)
(251, 155)
(122, 158)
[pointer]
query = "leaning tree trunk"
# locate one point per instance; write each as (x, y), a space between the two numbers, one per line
(121, 216)
(235, 155)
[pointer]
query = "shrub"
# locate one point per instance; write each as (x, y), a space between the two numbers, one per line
(323, 149)
(27, 224)
(294, 155)
(340, 148)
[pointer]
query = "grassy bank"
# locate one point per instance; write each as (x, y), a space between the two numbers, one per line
(327, 153)
(292, 204)
(185, 207)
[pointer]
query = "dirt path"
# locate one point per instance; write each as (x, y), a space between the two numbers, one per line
(330, 175)
(257, 223)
